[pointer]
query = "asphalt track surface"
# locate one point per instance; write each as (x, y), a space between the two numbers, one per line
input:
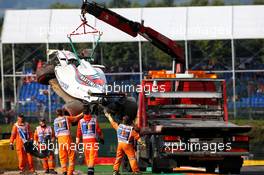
(248, 170)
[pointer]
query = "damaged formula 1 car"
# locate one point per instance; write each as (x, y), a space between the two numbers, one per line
(78, 82)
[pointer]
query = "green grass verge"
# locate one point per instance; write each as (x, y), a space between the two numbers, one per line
(253, 123)
(257, 131)
(108, 169)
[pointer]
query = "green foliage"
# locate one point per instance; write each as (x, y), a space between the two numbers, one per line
(154, 58)
(256, 134)
(217, 2)
(199, 3)
(151, 3)
(59, 5)
(135, 4)
(119, 4)
(164, 3)
(258, 2)
(118, 54)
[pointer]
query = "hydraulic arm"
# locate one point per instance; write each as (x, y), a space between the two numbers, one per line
(132, 28)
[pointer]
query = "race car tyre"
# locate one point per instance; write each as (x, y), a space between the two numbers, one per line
(73, 108)
(45, 73)
(128, 106)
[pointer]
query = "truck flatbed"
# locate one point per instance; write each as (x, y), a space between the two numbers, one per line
(193, 127)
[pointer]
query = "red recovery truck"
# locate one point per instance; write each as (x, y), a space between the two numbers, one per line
(182, 115)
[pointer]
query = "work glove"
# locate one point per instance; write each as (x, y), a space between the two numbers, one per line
(142, 144)
(107, 113)
(11, 146)
(77, 141)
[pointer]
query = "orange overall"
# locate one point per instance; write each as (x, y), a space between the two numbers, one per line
(39, 137)
(125, 135)
(21, 133)
(89, 129)
(62, 132)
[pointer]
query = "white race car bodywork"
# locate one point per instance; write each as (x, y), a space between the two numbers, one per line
(78, 80)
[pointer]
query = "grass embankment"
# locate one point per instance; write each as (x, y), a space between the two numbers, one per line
(257, 132)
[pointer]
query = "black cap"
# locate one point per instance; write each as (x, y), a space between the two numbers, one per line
(42, 119)
(59, 112)
(21, 115)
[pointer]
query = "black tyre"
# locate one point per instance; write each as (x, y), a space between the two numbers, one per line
(73, 108)
(45, 73)
(167, 170)
(223, 170)
(235, 170)
(142, 169)
(155, 168)
(123, 106)
(231, 165)
(128, 106)
(210, 169)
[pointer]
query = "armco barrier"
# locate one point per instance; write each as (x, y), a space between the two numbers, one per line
(8, 158)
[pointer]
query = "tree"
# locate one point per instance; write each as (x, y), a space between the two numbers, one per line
(119, 4)
(135, 4)
(258, 2)
(199, 3)
(59, 5)
(164, 3)
(151, 3)
(217, 2)
(168, 3)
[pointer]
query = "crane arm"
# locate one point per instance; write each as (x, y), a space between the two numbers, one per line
(132, 28)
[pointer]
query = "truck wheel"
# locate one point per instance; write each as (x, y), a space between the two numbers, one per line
(223, 170)
(167, 170)
(235, 170)
(155, 168)
(73, 108)
(231, 165)
(210, 169)
(142, 169)
(45, 73)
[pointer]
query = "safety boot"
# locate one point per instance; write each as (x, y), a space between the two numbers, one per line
(116, 172)
(33, 173)
(52, 171)
(90, 171)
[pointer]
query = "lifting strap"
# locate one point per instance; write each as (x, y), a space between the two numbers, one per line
(85, 25)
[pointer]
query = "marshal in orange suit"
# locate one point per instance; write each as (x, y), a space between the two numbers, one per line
(89, 130)
(125, 136)
(44, 135)
(21, 133)
(63, 134)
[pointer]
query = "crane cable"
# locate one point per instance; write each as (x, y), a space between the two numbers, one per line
(75, 32)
